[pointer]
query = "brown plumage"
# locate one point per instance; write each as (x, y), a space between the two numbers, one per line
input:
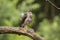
(26, 19)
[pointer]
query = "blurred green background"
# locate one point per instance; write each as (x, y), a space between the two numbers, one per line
(46, 18)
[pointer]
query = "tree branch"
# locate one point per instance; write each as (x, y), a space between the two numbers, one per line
(19, 31)
(53, 4)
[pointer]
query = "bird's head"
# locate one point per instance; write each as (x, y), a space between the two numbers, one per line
(29, 13)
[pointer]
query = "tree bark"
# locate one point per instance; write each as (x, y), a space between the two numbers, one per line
(20, 31)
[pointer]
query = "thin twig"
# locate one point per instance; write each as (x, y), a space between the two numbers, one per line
(53, 4)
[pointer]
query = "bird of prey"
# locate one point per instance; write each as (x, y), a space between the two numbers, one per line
(26, 19)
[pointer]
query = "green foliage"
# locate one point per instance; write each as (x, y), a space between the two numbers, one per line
(50, 30)
(8, 12)
(10, 16)
(28, 5)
